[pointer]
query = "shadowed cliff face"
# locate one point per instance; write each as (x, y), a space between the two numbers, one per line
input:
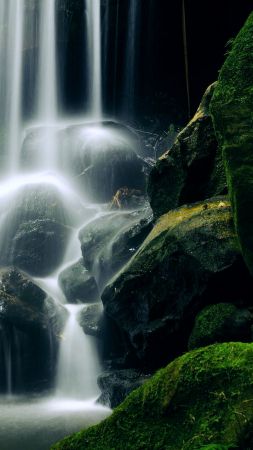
(232, 113)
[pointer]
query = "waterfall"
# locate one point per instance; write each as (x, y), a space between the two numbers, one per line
(11, 77)
(10, 353)
(93, 12)
(47, 100)
(78, 367)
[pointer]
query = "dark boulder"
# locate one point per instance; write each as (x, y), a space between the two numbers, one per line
(110, 241)
(25, 305)
(78, 285)
(30, 329)
(223, 322)
(102, 159)
(117, 385)
(35, 230)
(190, 257)
(192, 170)
(38, 246)
(18, 284)
(91, 320)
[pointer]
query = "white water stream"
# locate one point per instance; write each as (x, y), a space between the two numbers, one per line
(35, 422)
(78, 365)
(27, 422)
(47, 87)
(94, 52)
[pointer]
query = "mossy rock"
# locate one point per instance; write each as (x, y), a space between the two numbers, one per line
(232, 113)
(189, 258)
(203, 397)
(223, 322)
(192, 170)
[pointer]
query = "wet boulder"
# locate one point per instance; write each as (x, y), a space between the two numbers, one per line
(110, 241)
(39, 246)
(35, 230)
(91, 320)
(190, 257)
(192, 169)
(78, 285)
(30, 329)
(25, 305)
(102, 159)
(18, 284)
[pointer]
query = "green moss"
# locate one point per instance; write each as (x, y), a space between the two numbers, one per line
(232, 113)
(203, 397)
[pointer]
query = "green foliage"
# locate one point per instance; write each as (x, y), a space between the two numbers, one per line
(203, 397)
(217, 447)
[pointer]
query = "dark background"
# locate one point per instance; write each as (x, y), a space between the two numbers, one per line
(160, 87)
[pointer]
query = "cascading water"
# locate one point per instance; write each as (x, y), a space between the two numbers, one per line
(47, 99)
(11, 17)
(77, 368)
(47, 84)
(44, 203)
(93, 14)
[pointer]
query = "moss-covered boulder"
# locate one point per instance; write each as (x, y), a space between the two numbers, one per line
(189, 258)
(232, 112)
(223, 322)
(192, 169)
(201, 398)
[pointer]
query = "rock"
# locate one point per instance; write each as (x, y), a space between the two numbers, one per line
(17, 283)
(110, 241)
(102, 159)
(117, 385)
(35, 230)
(223, 322)
(190, 257)
(90, 319)
(78, 285)
(192, 170)
(25, 305)
(168, 411)
(38, 246)
(231, 109)
(30, 328)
